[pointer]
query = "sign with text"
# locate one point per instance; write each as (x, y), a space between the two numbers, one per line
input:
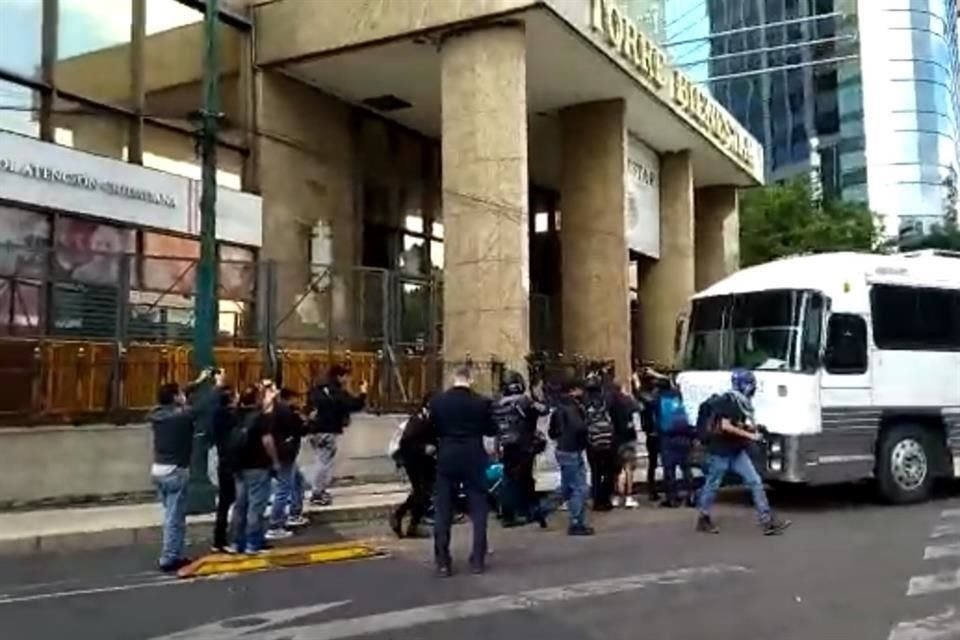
(643, 198)
(640, 52)
(47, 175)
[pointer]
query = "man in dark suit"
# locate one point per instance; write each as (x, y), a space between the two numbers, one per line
(461, 419)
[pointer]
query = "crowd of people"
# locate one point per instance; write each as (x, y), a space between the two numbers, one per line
(461, 451)
(257, 434)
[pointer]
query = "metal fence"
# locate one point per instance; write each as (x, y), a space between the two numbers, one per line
(88, 335)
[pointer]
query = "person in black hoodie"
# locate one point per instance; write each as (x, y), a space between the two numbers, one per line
(331, 406)
(224, 422)
(287, 510)
(568, 428)
(517, 415)
(172, 423)
(417, 456)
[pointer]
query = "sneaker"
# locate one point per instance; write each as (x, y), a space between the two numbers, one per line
(775, 527)
(278, 534)
(705, 525)
(396, 525)
(219, 548)
(297, 521)
(175, 565)
(253, 551)
(232, 549)
(619, 502)
(581, 530)
(444, 571)
(322, 499)
(630, 502)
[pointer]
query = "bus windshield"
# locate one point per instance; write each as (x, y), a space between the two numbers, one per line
(777, 330)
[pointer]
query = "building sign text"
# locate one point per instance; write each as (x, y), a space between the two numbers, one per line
(639, 50)
(84, 181)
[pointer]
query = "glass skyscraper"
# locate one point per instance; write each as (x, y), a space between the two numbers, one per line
(865, 91)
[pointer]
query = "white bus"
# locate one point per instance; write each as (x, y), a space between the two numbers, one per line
(857, 358)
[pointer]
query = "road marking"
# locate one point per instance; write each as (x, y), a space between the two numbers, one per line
(234, 627)
(451, 611)
(161, 582)
(943, 626)
(933, 552)
(944, 530)
(283, 557)
(934, 583)
(950, 513)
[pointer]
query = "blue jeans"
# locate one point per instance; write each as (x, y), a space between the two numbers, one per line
(172, 490)
(253, 493)
(740, 464)
(289, 496)
(573, 485)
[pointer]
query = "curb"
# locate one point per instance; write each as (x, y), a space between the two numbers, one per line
(197, 533)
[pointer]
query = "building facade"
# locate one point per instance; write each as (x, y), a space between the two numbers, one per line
(534, 170)
(864, 94)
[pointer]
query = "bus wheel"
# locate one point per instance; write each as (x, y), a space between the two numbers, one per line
(905, 464)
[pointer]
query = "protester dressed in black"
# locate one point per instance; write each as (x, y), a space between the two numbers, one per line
(224, 422)
(417, 456)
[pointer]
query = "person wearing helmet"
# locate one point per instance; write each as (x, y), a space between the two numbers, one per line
(517, 416)
(728, 450)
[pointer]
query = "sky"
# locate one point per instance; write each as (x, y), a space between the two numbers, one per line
(85, 26)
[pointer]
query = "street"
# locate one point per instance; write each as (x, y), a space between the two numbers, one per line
(848, 568)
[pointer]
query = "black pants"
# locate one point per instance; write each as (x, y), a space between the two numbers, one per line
(460, 465)
(653, 460)
(603, 476)
(226, 494)
(519, 492)
(676, 454)
(421, 471)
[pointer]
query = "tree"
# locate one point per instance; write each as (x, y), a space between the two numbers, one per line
(781, 220)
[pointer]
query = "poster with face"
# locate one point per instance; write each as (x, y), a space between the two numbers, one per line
(643, 199)
(170, 263)
(91, 252)
(23, 241)
(237, 273)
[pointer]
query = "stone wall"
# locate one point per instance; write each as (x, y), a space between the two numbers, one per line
(58, 465)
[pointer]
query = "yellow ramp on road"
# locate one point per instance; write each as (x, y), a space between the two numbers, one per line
(279, 558)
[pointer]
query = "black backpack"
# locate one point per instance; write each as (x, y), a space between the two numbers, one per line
(708, 417)
(239, 438)
(323, 409)
(599, 425)
(509, 417)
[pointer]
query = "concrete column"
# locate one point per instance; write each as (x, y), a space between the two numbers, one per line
(484, 156)
(596, 311)
(666, 289)
(717, 234)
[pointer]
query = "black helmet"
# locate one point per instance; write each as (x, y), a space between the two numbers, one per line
(593, 381)
(513, 384)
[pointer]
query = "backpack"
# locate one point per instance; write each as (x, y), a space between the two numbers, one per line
(708, 417)
(509, 418)
(322, 409)
(671, 414)
(393, 449)
(239, 438)
(599, 426)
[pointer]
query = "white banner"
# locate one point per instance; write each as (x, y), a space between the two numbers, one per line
(643, 198)
(49, 175)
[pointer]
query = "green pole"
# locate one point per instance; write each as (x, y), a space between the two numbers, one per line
(201, 493)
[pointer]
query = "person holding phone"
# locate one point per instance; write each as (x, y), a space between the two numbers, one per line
(330, 407)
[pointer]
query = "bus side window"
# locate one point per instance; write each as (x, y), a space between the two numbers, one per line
(846, 344)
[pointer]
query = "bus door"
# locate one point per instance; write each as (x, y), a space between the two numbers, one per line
(844, 450)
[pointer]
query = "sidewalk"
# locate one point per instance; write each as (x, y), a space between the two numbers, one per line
(83, 528)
